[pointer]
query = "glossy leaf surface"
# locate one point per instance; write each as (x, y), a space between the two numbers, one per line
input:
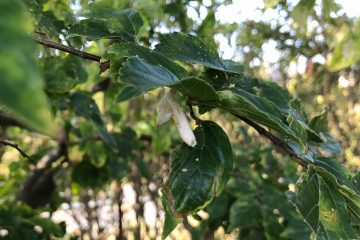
(198, 174)
(111, 23)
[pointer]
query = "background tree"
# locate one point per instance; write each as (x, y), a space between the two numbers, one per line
(80, 113)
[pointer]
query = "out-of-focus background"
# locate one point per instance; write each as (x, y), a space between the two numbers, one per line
(310, 47)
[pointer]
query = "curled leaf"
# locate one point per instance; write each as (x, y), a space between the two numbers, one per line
(169, 107)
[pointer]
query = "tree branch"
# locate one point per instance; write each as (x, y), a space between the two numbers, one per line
(9, 121)
(101, 86)
(61, 151)
(73, 51)
(47, 43)
(280, 144)
(14, 145)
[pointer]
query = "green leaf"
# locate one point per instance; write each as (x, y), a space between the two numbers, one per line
(346, 48)
(218, 211)
(336, 174)
(330, 145)
(319, 125)
(355, 180)
(197, 174)
(267, 89)
(301, 12)
(127, 49)
(234, 67)
(21, 90)
(150, 69)
(329, 6)
(6, 187)
(48, 23)
(161, 139)
(61, 75)
(85, 106)
(95, 150)
(127, 92)
(206, 30)
(126, 141)
(295, 110)
(111, 23)
(218, 79)
(296, 229)
(116, 167)
(323, 208)
(333, 170)
(245, 214)
(197, 90)
(96, 29)
(257, 109)
(191, 49)
(145, 76)
(86, 175)
(48, 226)
(170, 221)
(296, 126)
(45, 21)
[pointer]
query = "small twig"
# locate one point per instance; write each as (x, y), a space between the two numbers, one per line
(73, 51)
(16, 146)
(101, 86)
(280, 144)
(262, 131)
(55, 154)
(47, 43)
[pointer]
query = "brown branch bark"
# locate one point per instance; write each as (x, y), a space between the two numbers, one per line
(73, 51)
(9, 121)
(101, 86)
(47, 43)
(280, 145)
(39, 186)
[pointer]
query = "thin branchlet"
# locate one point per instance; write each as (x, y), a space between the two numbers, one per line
(85, 55)
(16, 146)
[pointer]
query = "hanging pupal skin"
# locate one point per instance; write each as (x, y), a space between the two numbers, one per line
(168, 108)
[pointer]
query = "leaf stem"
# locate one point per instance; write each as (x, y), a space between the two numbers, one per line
(192, 113)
